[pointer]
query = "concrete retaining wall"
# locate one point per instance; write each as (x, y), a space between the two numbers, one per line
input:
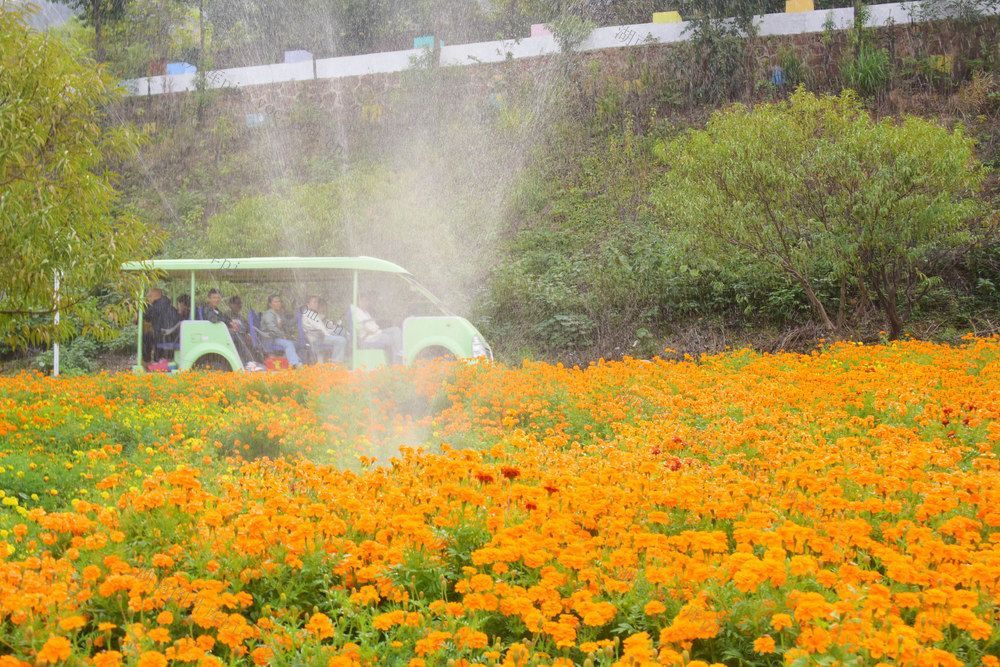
(528, 47)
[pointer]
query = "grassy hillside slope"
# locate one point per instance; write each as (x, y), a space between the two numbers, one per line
(522, 194)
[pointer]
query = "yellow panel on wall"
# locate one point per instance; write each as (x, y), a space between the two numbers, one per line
(799, 5)
(941, 63)
(667, 17)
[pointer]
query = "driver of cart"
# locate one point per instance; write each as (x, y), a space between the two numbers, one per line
(370, 335)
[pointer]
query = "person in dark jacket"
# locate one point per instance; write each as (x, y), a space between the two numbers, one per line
(184, 306)
(162, 317)
(214, 314)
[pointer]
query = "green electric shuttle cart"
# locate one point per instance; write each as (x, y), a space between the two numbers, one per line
(429, 329)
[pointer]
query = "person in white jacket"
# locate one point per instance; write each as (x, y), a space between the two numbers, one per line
(371, 335)
(320, 333)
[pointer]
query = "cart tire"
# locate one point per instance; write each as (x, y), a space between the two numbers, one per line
(212, 362)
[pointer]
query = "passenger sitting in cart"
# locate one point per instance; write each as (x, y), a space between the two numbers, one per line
(322, 333)
(273, 328)
(236, 314)
(214, 314)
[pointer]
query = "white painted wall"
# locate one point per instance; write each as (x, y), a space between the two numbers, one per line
(252, 76)
(908, 12)
(495, 52)
(527, 47)
(805, 22)
(892, 14)
(372, 63)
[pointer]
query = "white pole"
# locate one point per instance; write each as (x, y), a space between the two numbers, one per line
(55, 346)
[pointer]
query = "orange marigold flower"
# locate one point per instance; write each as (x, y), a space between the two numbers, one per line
(108, 659)
(599, 614)
(365, 595)
(152, 659)
(469, 638)
(162, 560)
(165, 618)
(341, 661)
(321, 626)
(510, 472)
(940, 658)
(261, 655)
(387, 620)
(56, 649)
(668, 656)
(564, 634)
(637, 644)
(160, 635)
(764, 644)
(810, 606)
(481, 583)
(654, 607)
(781, 621)
(814, 640)
(73, 622)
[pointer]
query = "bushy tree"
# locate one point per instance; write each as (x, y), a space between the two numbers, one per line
(818, 189)
(59, 215)
(97, 13)
(154, 30)
(258, 31)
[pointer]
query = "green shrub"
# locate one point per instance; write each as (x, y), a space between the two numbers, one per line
(867, 73)
(77, 358)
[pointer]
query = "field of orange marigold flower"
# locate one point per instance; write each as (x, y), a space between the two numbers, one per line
(837, 508)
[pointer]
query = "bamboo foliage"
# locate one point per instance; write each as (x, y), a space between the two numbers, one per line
(59, 207)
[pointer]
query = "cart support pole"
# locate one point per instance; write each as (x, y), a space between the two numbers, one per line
(55, 320)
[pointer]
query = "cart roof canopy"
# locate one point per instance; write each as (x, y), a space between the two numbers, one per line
(270, 269)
